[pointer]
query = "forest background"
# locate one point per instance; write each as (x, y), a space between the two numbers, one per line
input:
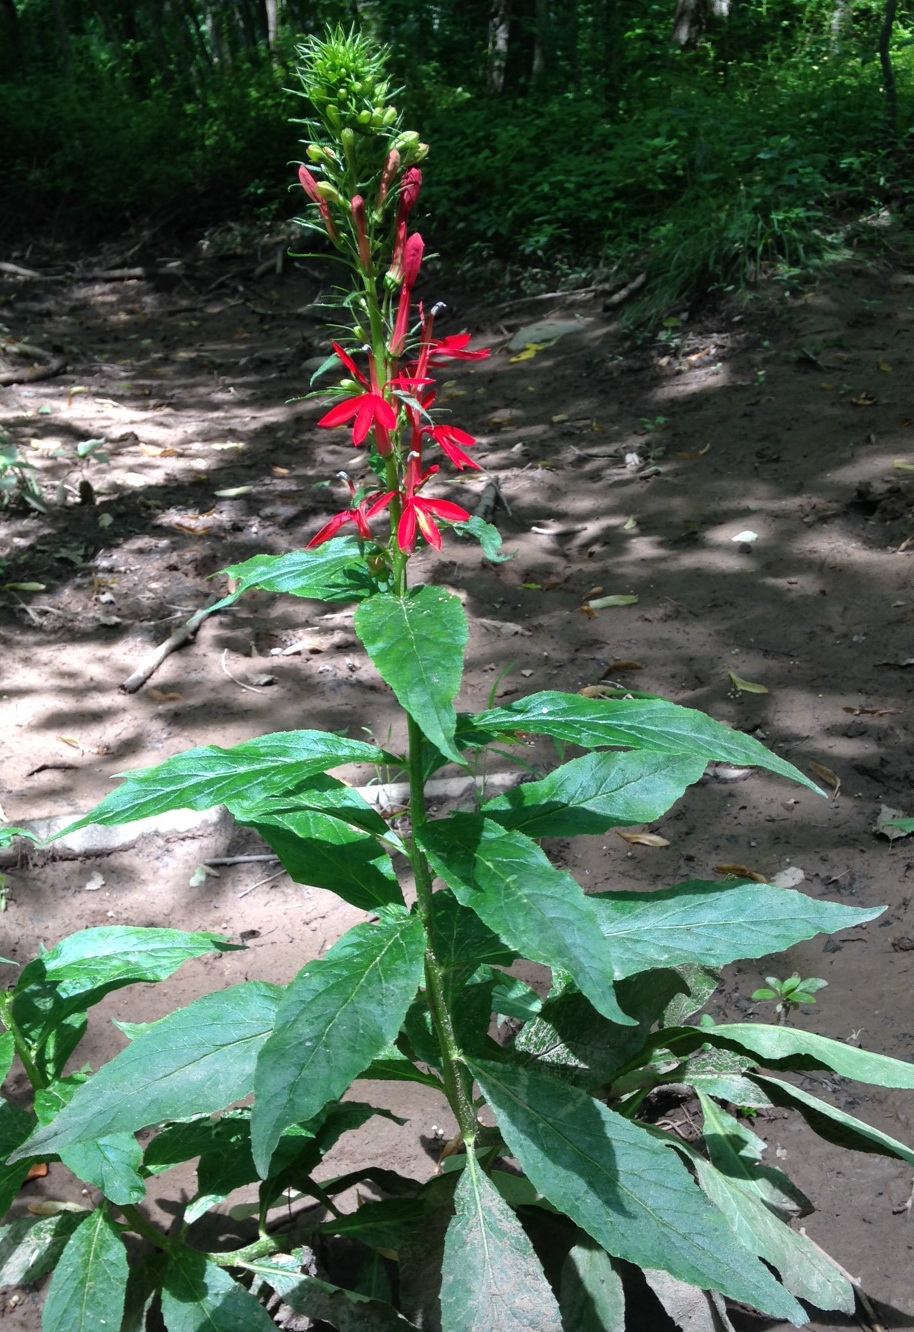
(706, 141)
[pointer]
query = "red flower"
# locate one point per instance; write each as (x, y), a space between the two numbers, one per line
(450, 438)
(367, 411)
(420, 514)
(309, 185)
(454, 348)
(358, 514)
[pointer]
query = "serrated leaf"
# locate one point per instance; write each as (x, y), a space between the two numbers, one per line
(338, 1015)
(491, 1280)
(110, 956)
(417, 642)
(110, 1162)
(636, 723)
(462, 940)
(596, 792)
(739, 1154)
(570, 1034)
(804, 1271)
(830, 1123)
(336, 571)
(591, 1298)
(198, 1296)
(536, 909)
(623, 1187)
(30, 1247)
(324, 852)
(251, 772)
(7, 1054)
(86, 1293)
(195, 1061)
(712, 923)
(790, 1047)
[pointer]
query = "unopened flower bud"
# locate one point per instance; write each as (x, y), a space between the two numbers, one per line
(309, 184)
(333, 116)
(391, 167)
(347, 138)
(406, 141)
(389, 116)
(421, 153)
(357, 206)
(329, 192)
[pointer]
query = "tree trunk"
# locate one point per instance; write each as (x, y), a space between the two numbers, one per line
(540, 44)
(693, 17)
(499, 28)
(885, 60)
(272, 8)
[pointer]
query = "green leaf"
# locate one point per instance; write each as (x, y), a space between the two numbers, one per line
(345, 1310)
(195, 1061)
(392, 1066)
(110, 956)
(16, 1125)
(906, 825)
(788, 1047)
(491, 1280)
(627, 1190)
(31, 1247)
(7, 1054)
(198, 1296)
(111, 1162)
(334, 572)
(87, 1289)
(417, 642)
(739, 1153)
(488, 537)
(462, 941)
(569, 1034)
(636, 723)
(254, 771)
(830, 1123)
(596, 792)
(591, 1297)
(713, 923)
(382, 1225)
(338, 1015)
(327, 795)
(324, 852)
(803, 1269)
(539, 911)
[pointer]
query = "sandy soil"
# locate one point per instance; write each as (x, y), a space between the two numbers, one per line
(636, 469)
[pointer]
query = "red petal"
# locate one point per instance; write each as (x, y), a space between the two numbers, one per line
(380, 504)
(406, 531)
(429, 530)
(329, 530)
(342, 412)
(349, 363)
(451, 513)
(457, 456)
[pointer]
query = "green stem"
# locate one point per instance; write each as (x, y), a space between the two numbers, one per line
(261, 1248)
(457, 1082)
(137, 1221)
(35, 1077)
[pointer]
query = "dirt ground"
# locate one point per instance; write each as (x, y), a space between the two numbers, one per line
(748, 475)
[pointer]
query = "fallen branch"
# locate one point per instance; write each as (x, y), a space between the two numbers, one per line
(112, 274)
(182, 635)
(490, 501)
(52, 365)
(16, 270)
(621, 296)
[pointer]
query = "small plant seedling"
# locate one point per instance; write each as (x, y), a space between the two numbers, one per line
(789, 994)
(560, 1178)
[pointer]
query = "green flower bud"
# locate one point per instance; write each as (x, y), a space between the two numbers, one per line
(347, 138)
(389, 116)
(406, 142)
(365, 118)
(329, 192)
(333, 116)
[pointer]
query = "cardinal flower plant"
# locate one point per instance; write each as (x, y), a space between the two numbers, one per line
(560, 1177)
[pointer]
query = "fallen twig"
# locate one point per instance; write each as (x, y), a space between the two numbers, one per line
(240, 860)
(269, 879)
(182, 635)
(112, 274)
(52, 364)
(225, 671)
